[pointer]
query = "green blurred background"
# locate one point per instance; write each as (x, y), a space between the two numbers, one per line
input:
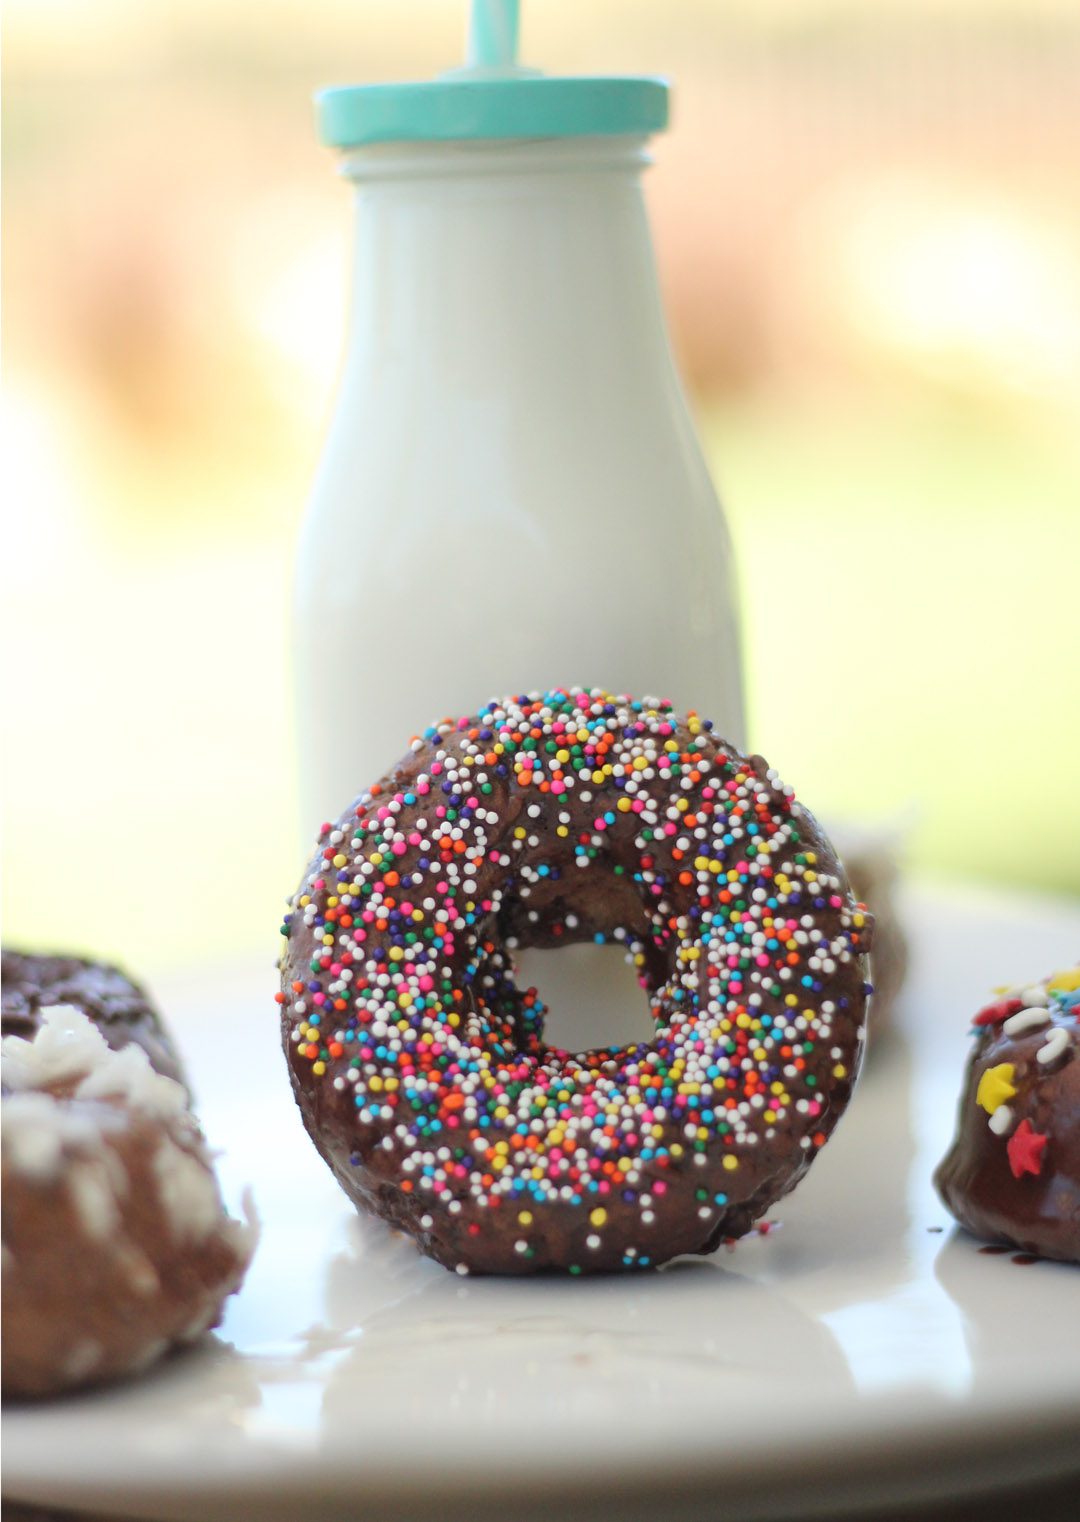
(868, 225)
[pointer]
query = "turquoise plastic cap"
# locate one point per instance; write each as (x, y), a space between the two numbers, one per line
(491, 97)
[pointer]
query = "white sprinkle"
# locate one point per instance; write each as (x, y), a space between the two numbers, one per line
(1026, 1020)
(1053, 1047)
(1001, 1121)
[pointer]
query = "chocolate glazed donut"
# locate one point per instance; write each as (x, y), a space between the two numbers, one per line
(1012, 1174)
(420, 1067)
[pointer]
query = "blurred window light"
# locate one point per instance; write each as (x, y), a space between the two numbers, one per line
(985, 289)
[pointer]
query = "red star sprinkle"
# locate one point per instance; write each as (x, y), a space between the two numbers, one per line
(1026, 1148)
(993, 1014)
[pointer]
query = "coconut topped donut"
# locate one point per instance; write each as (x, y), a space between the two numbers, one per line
(116, 1244)
(419, 1065)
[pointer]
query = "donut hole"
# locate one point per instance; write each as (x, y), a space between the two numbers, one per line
(591, 993)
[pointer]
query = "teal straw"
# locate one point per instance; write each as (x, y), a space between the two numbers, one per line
(493, 34)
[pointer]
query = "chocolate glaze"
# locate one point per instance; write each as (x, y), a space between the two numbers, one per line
(872, 873)
(118, 1007)
(368, 1158)
(1039, 1213)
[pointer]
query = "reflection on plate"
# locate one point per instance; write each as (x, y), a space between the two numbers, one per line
(861, 1349)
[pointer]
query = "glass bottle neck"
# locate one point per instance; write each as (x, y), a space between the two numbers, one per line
(474, 255)
(487, 159)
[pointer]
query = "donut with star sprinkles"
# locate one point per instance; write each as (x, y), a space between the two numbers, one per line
(419, 1065)
(1012, 1174)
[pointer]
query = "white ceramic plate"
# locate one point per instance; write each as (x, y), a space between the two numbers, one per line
(862, 1349)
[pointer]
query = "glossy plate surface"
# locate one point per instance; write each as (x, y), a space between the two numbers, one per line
(863, 1348)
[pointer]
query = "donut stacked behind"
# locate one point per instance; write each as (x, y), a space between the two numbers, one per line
(1013, 1171)
(116, 1244)
(420, 1067)
(118, 1007)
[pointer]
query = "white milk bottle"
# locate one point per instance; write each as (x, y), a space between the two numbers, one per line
(511, 495)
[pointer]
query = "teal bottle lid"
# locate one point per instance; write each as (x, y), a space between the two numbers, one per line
(492, 97)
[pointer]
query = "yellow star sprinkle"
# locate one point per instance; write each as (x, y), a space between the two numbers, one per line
(996, 1087)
